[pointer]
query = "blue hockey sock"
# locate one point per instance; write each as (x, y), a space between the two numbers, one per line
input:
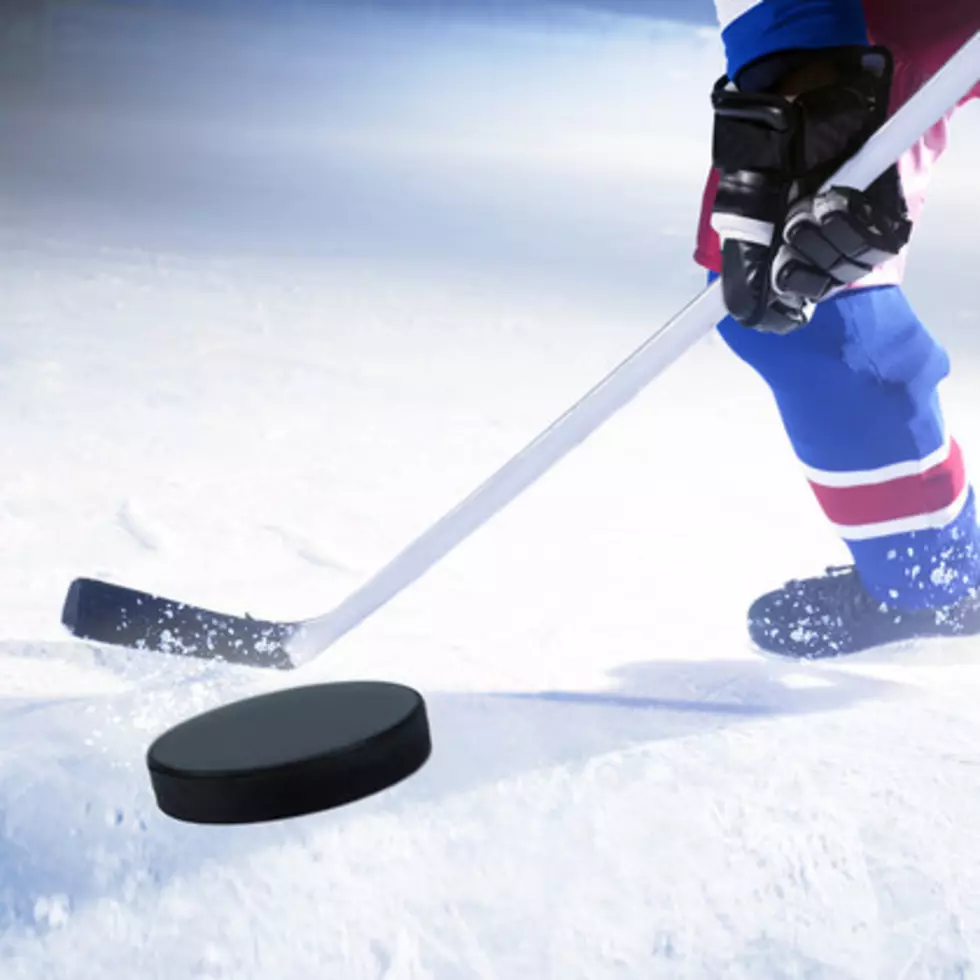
(857, 392)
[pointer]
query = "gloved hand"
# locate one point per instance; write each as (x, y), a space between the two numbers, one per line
(785, 246)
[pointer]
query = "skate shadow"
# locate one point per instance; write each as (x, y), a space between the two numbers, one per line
(79, 824)
(494, 736)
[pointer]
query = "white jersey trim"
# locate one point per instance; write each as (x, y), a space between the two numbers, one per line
(730, 10)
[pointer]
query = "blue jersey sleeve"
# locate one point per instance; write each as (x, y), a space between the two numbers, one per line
(754, 28)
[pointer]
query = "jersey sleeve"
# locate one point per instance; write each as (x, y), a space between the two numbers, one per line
(752, 29)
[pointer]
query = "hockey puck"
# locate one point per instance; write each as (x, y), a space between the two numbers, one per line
(289, 753)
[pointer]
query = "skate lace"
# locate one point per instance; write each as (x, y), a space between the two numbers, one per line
(839, 589)
(848, 591)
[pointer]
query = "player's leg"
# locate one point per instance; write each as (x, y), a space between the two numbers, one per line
(857, 390)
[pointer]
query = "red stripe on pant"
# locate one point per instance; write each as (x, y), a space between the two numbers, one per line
(906, 496)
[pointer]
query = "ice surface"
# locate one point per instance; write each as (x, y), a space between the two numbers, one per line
(272, 302)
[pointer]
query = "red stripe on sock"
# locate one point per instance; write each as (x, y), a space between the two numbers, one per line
(907, 496)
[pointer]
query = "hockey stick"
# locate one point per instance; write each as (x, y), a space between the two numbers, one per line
(108, 613)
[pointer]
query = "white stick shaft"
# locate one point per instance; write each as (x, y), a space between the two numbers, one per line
(516, 475)
(685, 329)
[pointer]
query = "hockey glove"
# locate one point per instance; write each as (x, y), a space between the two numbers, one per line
(785, 246)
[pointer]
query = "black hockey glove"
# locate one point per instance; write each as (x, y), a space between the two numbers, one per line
(784, 246)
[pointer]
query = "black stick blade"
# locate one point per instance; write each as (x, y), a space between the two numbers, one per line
(107, 613)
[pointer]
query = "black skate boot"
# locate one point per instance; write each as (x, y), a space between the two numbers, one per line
(833, 615)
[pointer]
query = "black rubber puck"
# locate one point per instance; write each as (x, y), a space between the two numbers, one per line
(290, 753)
